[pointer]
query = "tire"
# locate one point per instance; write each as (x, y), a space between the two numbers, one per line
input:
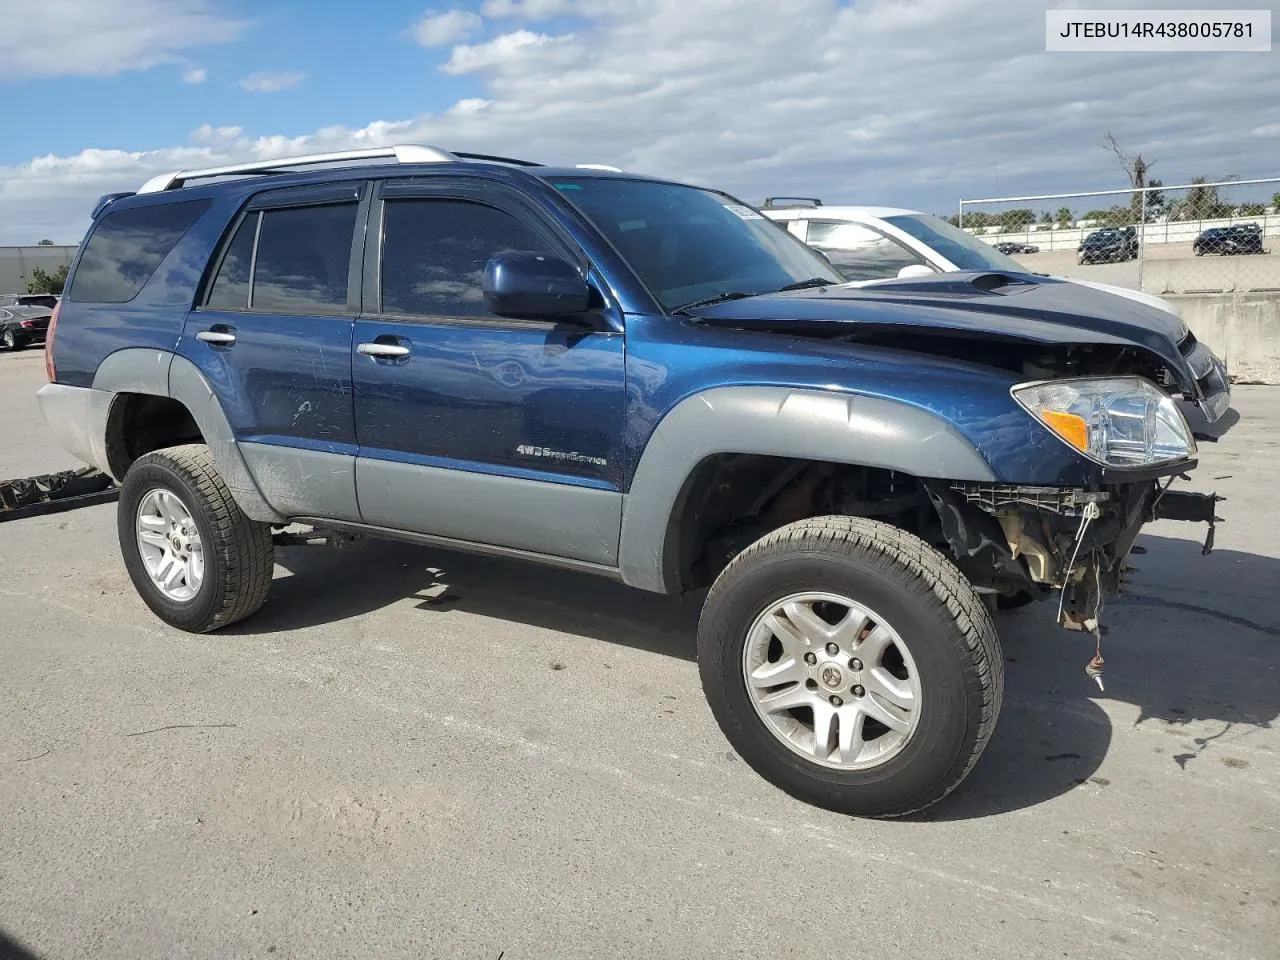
(901, 582)
(236, 553)
(10, 341)
(1198, 251)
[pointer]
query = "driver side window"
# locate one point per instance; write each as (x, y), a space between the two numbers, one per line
(859, 252)
(434, 253)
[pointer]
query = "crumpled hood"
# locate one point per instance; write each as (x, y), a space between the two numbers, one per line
(982, 305)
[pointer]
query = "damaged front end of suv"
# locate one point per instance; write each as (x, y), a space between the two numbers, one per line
(1084, 444)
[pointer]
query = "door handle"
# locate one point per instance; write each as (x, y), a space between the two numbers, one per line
(383, 351)
(220, 338)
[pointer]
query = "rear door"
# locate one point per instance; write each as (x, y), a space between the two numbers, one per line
(273, 337)
(473, 426)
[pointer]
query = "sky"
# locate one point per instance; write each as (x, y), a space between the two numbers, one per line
(906, 102)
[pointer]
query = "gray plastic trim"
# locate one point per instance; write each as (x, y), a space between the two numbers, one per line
(778, 422)
(556, 519)
(464, 546)
(304, 482)
(164, 374)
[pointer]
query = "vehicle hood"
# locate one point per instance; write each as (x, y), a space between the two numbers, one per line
(992, 306)
(1150, 300)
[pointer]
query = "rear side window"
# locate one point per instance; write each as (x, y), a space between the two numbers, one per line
(434, 253)
(230, 290)
(127, 247)
(301, 264)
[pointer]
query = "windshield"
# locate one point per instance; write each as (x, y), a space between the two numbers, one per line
(687, 244)
(966, 251)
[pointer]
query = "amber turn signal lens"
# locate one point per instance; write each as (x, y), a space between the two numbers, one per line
(1069, 427)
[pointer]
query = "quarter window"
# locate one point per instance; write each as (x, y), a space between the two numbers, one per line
(128, 246)
(434, 253)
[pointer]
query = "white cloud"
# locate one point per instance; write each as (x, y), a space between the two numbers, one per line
(207, 133)
(500, 52)
(195, 75)
(268, 82)
(527, 9)
(441, 29)
(884, 101)
(46, 38)
(470, 105)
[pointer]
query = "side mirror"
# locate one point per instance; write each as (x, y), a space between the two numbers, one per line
(915, 270)
(533, 286)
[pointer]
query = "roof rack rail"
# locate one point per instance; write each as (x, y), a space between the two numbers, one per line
(771, 202)
(489, 158)
(402, 153)
(597, 166)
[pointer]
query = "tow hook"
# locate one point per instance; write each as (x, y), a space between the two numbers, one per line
(1192, 507)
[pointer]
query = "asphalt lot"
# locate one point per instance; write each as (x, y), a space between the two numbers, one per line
(410, 753)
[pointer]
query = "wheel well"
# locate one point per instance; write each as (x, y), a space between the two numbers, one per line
(140, 423)
(731, 500)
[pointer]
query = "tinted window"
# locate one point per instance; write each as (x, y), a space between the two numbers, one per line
(687, 244)
(127, 247)
(963, 249)
(859, 252)
(230, 289)
(304, 259)
(434, 252)
(38, 300)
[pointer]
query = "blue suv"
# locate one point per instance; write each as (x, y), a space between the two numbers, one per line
(636, 379)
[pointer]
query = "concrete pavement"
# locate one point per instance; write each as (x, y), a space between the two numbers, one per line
(411, 753)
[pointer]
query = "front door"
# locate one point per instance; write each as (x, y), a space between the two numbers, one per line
(472, 426)
(273, 337)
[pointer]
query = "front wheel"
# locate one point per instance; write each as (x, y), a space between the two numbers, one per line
(851, 665)
(10, 341)
(196, 560)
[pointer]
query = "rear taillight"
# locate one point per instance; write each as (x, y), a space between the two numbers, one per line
(49, 369)
(26, 323)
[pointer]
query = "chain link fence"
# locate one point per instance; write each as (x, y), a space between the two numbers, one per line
(1196, 238)
(1211, 249)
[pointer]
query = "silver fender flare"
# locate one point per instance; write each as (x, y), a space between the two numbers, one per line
(779, 422)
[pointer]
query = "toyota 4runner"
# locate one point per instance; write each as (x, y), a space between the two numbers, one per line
(641, 380)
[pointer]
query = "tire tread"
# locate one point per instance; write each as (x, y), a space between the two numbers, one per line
(934, 578)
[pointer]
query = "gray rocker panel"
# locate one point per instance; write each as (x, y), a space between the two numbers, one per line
(562, 520)
(780, 422)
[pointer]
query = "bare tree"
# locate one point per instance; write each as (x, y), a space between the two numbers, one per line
(1135, 167)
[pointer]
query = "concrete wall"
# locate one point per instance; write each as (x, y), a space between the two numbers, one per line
(1242, 329)
(18, 263)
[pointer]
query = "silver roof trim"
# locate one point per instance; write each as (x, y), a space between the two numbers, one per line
(401, 153)
(597, 166)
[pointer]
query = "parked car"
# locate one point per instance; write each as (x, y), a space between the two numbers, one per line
(23, 326)
(1109, 245)
(1012, 248)
(869, 244)
(48, 300)
(636, 379)
(1239, 238)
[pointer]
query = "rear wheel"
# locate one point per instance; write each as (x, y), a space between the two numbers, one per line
(196, 560)
(851, 665)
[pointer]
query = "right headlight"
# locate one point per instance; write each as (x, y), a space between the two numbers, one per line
(1118, 421)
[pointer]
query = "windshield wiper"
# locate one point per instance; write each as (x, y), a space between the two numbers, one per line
(811, 282)
(718, 298)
